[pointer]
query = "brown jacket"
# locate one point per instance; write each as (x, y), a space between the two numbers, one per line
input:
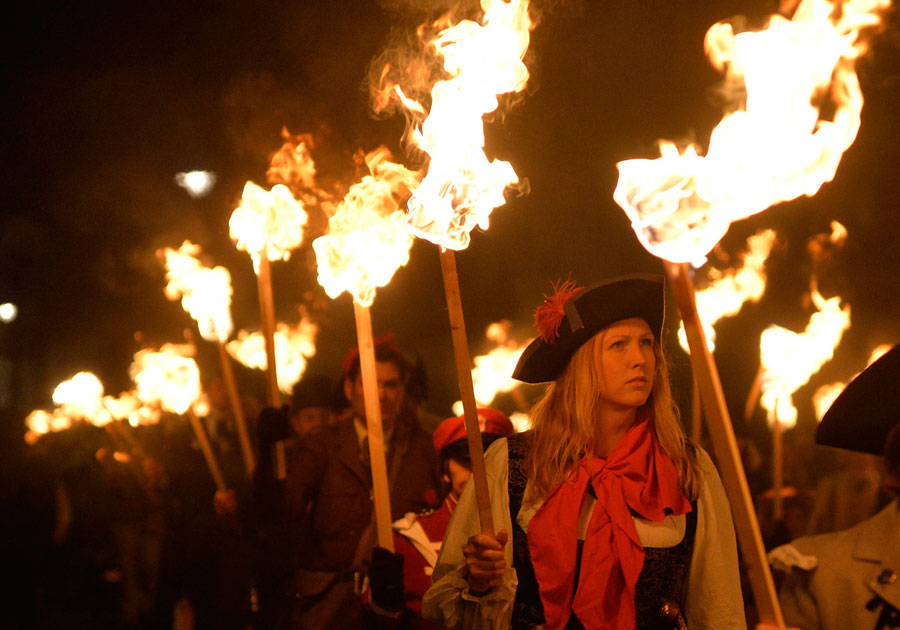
(328, 489)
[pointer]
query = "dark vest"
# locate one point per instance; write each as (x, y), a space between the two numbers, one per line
(663, 579)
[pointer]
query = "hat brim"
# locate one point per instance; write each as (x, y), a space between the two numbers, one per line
(589, 312)
(865, 412)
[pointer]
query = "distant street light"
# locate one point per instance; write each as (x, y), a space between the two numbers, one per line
(196, 183)
(8, 312)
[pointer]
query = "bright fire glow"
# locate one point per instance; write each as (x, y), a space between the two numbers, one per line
(790, 358)
(8, 312)
(196, 183)
(481, 61)
(169, 377)
(293, 347)
(267, 223)
(82, 397)
(40, 422)
(492, 373)
(728, 290)
(128, 407)
(367, 239)
(775, 147)
(205, 292)
(520, 421)
(292, 165)
(827, 394)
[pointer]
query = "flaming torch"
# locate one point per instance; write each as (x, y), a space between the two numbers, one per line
(774, 147)
(206, 294)
(367, 241)
(788, 360)
(170, 379)
(462, 186)
(268, 224)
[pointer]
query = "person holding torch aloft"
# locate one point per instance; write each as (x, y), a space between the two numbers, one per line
(607, 515)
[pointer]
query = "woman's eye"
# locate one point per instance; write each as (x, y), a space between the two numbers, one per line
(647, 342)
(617, 344)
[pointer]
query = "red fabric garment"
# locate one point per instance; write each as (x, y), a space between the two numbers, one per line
(637, 476)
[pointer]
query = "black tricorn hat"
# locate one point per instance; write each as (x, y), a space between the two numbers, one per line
(865, 412)
(586, 313)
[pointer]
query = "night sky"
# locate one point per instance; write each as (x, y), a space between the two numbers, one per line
(105, 102)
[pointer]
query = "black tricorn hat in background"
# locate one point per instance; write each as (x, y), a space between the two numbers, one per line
(865, 412)
(588, 312)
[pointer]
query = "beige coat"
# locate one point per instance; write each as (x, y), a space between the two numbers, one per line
(852, 568)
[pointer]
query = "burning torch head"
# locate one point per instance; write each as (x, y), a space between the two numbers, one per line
(863, 415)
(569, 319)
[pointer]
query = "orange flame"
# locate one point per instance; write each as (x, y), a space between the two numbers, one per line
(205, 292)
(168, 377)
(129, 407)
(293, 347)
(82, 397)
(267, 223)
(482, 61)
(775, 147)
(790, 358)
(827, 394)
(367, 239)
(729, 290)
(41, 422)
(492, 373)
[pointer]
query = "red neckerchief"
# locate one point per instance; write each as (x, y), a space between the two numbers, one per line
(637, 476)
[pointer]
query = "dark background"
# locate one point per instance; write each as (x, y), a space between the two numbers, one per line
(105, 102)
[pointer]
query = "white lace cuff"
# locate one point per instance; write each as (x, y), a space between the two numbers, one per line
(449, 602)
(786, 557)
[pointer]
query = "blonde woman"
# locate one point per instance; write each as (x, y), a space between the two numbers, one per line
(608, 516)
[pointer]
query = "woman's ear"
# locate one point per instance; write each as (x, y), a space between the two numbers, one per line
(348, 389)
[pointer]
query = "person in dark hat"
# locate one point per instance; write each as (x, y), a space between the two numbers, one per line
(616, 519)
(329, 488)
(851, 578)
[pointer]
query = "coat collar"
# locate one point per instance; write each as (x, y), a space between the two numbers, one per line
(347, 450)
(878, 541)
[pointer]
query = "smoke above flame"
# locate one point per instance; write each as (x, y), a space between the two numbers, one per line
(294, 346)
(777, 146)
(205, 292)
(480, 61)
(728, 290)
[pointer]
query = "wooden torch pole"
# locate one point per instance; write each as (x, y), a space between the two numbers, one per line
(237, 409)
(696, 413)
(208, 455)
(777, 464)
(466, 389)
(721, 433)
(377, 459)
(267, 313)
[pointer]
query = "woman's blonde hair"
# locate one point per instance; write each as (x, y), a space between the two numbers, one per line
(563, 422)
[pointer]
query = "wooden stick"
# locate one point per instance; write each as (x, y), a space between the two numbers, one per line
(208, 455)
(373, 426)
(238, 410)
(696, 413)
(721, 432)
(777, 463)
(753, 396)
(466, 389)
(267, 314)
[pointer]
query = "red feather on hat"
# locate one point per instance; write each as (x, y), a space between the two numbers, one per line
(549, 315)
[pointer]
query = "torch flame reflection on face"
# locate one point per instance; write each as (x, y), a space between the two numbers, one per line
(367, 239)
(774, 148)
(790, 358)
(729, 290)
(205, 292)
(169, 377)
(462, 186)
(293, 347)
(267, 223)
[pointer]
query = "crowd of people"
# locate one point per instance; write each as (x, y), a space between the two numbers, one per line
(606, 515)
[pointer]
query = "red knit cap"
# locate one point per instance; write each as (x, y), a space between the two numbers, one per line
(453, 429)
